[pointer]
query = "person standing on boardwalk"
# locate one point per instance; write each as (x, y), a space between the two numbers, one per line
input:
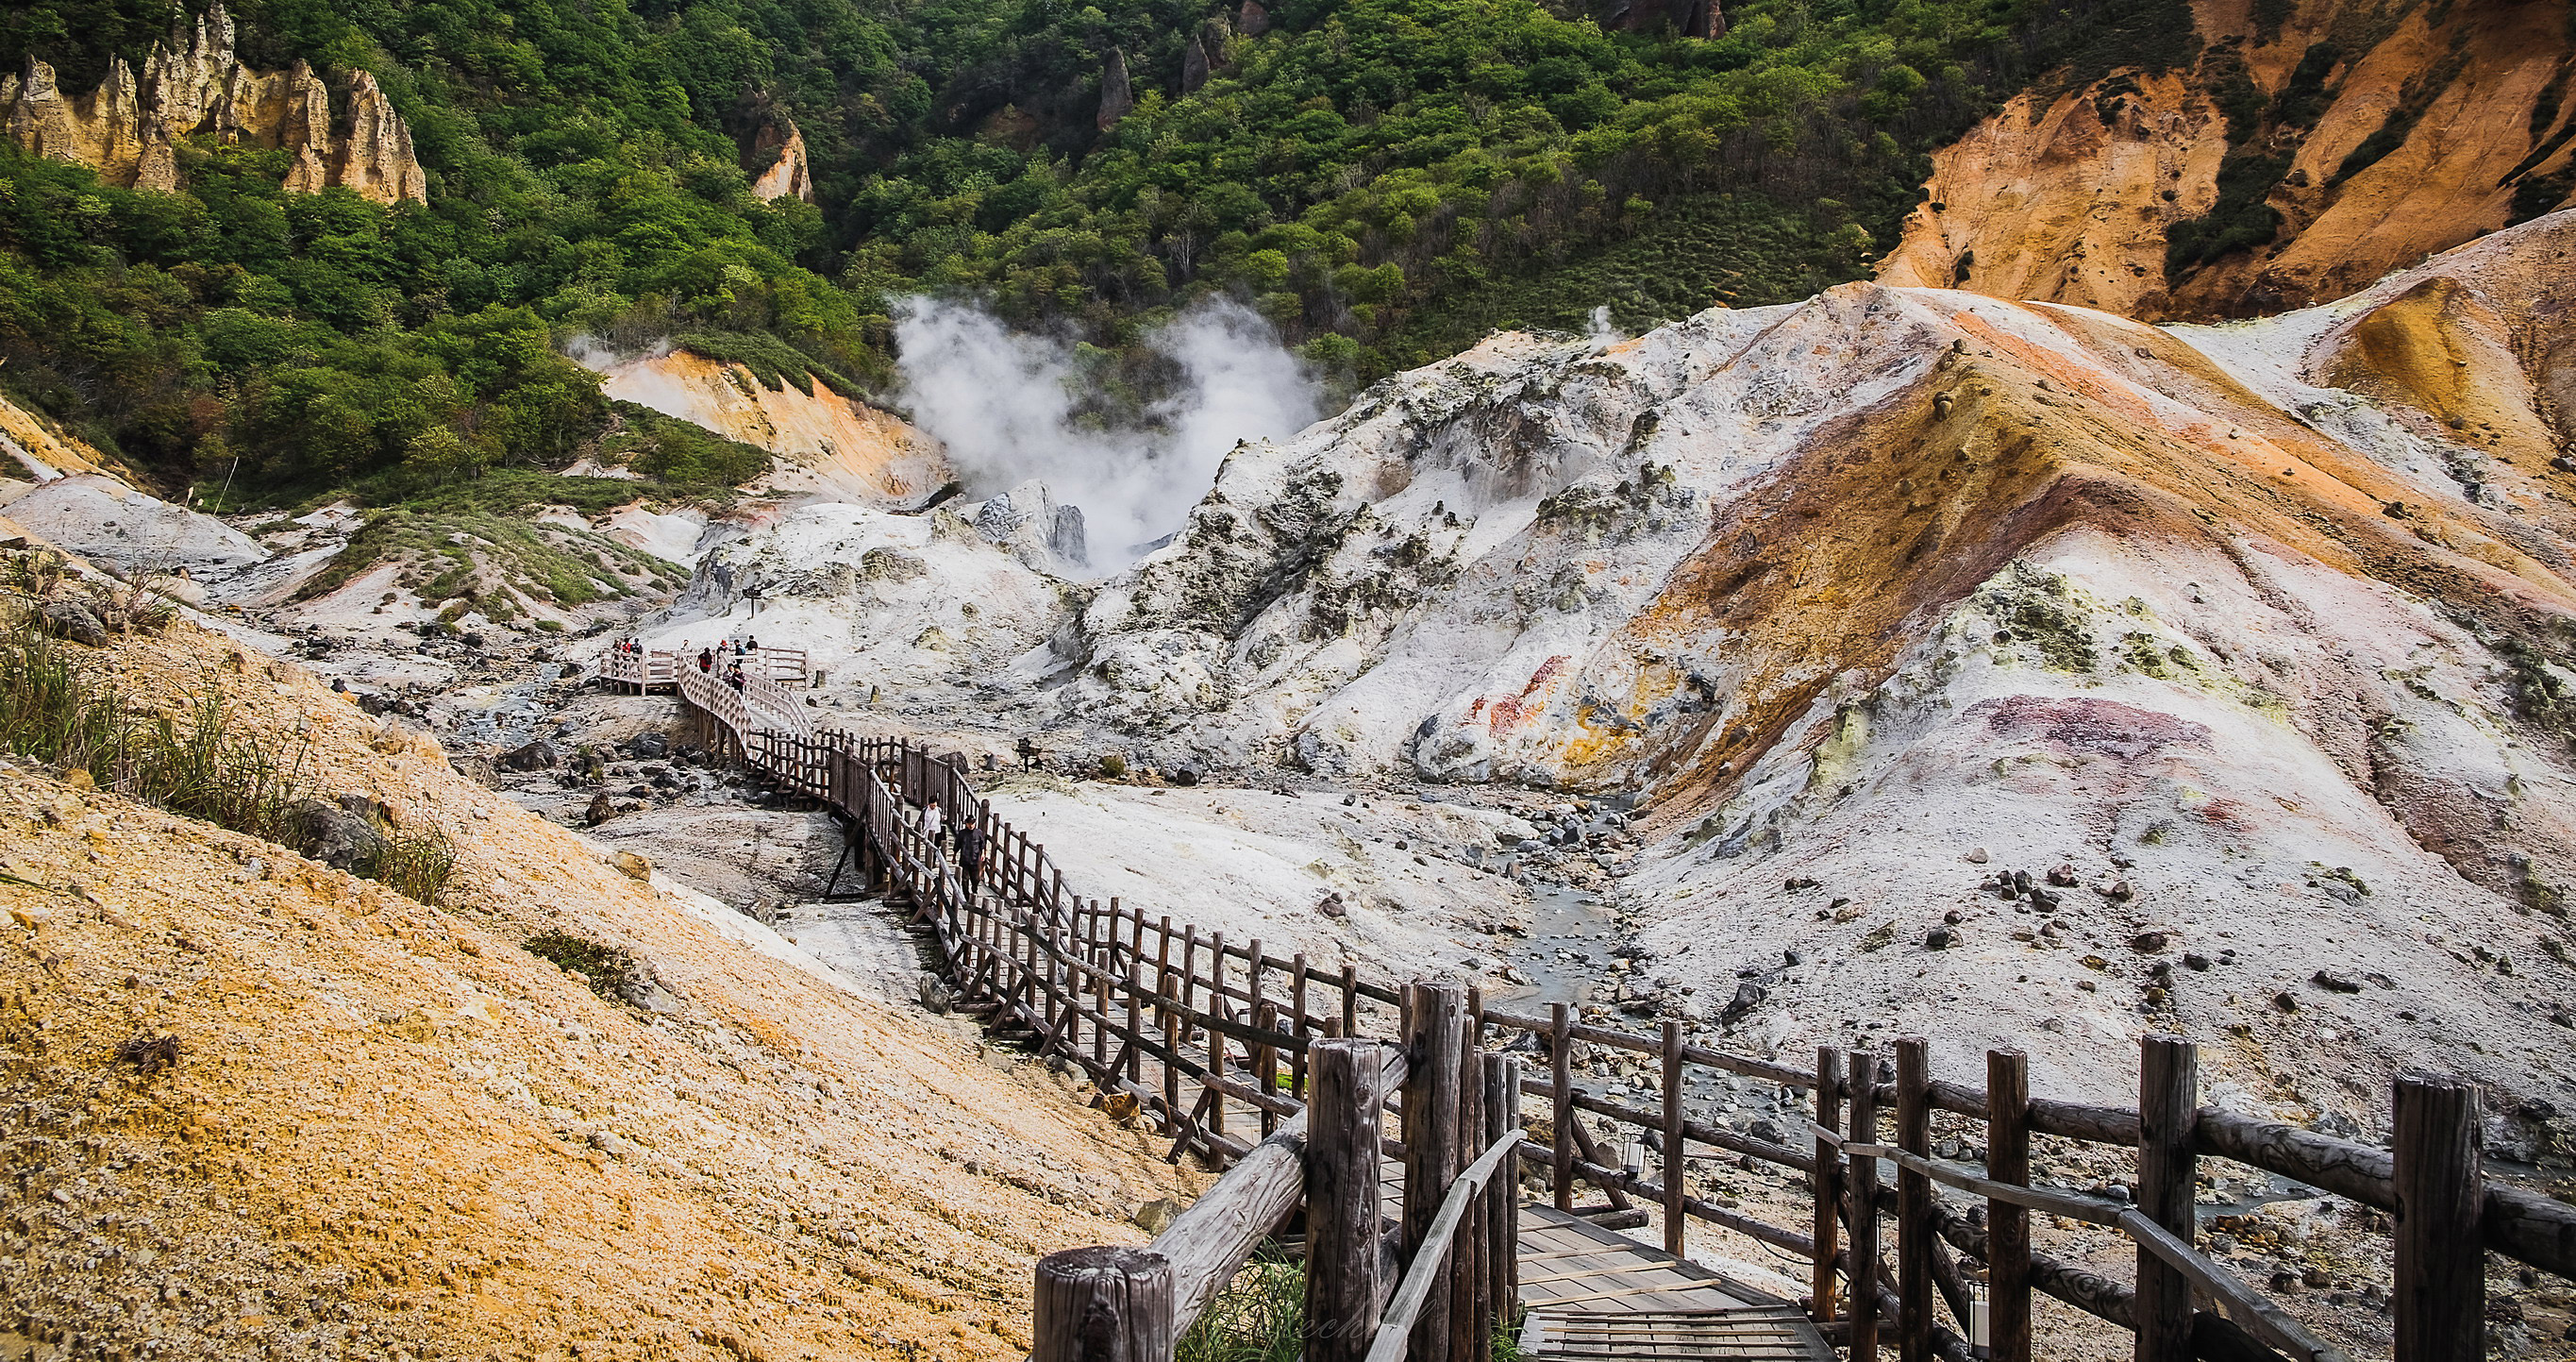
(934, 824)
(970, 855)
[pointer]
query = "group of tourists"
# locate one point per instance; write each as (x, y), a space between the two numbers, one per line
(969, 840)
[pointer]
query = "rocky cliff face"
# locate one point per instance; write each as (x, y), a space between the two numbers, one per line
(790, 176)
(2223, 625)
(827, 443)
(194, 84)
(2313, 148)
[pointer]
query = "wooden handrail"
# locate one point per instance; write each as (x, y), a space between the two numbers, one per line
(1211, 1240)
(2265, 1319)
(1430, 1263)
(1036, 953)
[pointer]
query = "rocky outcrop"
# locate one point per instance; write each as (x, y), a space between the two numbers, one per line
(789, 176)
(1117, 96)
(2311, 149)
(827, 443)
(2232, 620)
(193, 84)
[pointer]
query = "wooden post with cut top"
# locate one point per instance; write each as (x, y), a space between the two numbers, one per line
(1864, 1208)
(1104, 1305)
(1826, 1182)
(2007, 1225)
(1914, 1201)
(1435, 1041)
(1676, 1162)
(1561, 1111)
(1502, 1254)
(1343, 1284)
(2168, 1106)
(2441, 1190)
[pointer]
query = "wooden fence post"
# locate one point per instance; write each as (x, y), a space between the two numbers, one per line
(1470, 1311)
(1104, 1305)
(1502, 1256)
(1346, 1092)
(1676, 1166)
(1297, 1025)
(1914, 1202)
(1864, 1209)
(1216, 1039)
(1826, 1182)
(2441, 1260)
(1435, 1037)
(1561, 1095)
(2168, 1101)
(2007, 1225)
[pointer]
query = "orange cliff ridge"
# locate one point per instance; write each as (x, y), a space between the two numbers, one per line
(193, 85)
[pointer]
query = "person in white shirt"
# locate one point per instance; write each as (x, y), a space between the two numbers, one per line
(934, 825)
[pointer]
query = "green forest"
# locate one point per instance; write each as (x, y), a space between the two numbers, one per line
(1386, 180)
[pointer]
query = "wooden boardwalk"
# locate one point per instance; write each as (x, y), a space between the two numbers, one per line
(1595, 1294)
(1592, 1294)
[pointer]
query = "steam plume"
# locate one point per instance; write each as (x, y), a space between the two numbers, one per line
(1003, 403)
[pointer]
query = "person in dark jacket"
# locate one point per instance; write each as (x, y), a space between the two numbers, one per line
(970, 854)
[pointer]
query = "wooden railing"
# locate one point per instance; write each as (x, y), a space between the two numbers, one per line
(1190, 1029)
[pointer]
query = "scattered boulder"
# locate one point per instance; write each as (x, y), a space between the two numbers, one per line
(1156, 1216)
(936, 994)
(1879, 937)
(1748, 996)
(1940, 939)
(2064, 877)
(2195, 961)
(1331, 905)
(631, 864)
(649, 746)
(600, 810)
(74, 621)
(341, 840)
(2335, 983)
(1975, 856)
(2150, 942)
(535, 756)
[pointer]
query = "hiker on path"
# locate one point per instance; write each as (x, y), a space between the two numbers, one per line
(934, 823)
(706, 660)
(970, 855)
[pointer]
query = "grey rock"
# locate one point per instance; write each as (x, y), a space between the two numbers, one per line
(341, 840)
(74, 621)
(649, 745)
(536, 756)
(2334, 983)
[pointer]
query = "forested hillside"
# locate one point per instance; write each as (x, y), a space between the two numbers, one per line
(1385, 179)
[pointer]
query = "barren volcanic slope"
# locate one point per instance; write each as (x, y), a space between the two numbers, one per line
(387, 1130)
(2309, 148)
(2262, 635)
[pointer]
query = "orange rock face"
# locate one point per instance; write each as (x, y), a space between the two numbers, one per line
(194, 84)
(826, 443)
(2377, 141)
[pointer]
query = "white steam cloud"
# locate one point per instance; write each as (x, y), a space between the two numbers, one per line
(1003, 403)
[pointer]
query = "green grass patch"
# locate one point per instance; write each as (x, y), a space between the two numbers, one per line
(1259, 1317)
(197, 765)
(610, 971)
(484, 558)
(773, 361)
